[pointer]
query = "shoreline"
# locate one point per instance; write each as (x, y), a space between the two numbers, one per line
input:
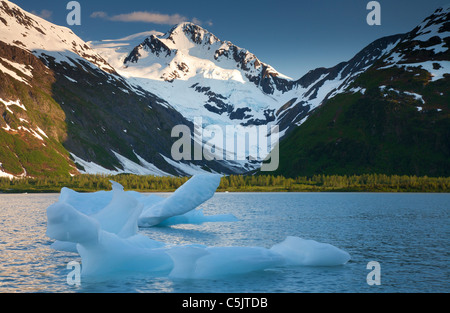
(368, 183)
(57, 191)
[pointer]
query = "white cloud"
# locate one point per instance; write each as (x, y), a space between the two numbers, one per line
(147, 17)
(99, 14)
(138, 35)
(196, 21)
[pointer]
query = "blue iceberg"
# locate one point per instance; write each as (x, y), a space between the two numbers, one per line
(103, 227)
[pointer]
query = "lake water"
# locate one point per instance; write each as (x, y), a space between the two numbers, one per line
(408, 234)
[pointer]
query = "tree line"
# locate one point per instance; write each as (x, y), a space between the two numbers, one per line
(234, 183)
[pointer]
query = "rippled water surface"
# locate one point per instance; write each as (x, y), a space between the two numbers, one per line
(408, 234)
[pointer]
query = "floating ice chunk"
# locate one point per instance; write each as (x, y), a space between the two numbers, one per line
(185, 260)
(197, 217)
(64, 246)
(197, 262)
(101, 251)
(298, 251)
(121, 214)
(106, 253)
(179, 208)
(118, 211)
(108, 241)
(191, 262)
(226, 261)
(64, 223)
(113, 254)
(87, 203)
(193, 193)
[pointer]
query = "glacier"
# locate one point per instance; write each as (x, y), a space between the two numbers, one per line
(103, 227)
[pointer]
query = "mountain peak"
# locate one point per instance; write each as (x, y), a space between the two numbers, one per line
(194, 32)
(443, 8)
(187, 27)
(25, 30)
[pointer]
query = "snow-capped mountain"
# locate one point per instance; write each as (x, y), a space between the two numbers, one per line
(317, 86)
(110, 106)
(394, 118)
(25, 30)
(203, 76)
(426, 46)
(64, 108)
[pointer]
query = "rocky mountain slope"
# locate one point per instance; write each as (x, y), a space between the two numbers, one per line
(110, 106)
(64, 109)
(394, 118)
(203, 76)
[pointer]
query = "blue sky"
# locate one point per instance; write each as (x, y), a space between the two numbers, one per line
(293, 36)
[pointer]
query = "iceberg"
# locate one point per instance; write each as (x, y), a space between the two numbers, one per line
(103, 227)
(123, 212)
(193, 193)
(302, 252)
(179, 208)
(194, 262)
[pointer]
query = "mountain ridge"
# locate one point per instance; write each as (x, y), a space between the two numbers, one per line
(393, 119)
(74, 112)
(258, 91)
(72, 107)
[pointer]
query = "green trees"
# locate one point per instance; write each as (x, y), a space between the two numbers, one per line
(234, 183)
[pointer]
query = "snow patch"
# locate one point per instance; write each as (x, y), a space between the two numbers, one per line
(31, 131)
(10, 103)
(13, 74)
(185, 169)
(437, 69)
(24, 69)
(302, 121)
(4, 174)
(358, 89)
(145, 168)
(129, 167)
(92, 168)
(42, 132)
(416, 96)
(70, 79)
